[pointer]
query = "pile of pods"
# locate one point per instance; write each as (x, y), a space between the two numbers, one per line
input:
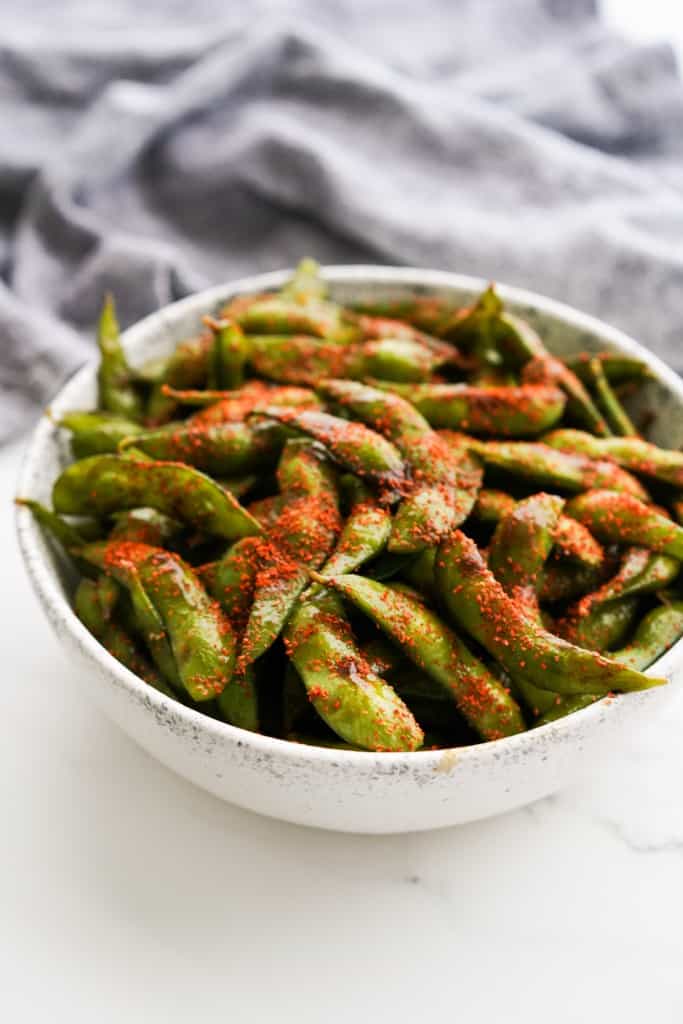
(397, 526)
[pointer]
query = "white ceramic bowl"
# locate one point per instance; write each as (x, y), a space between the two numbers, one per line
(346, 791)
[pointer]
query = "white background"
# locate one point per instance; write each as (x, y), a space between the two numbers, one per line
(128, 895)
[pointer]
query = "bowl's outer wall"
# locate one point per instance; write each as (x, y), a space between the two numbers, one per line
(358, 792)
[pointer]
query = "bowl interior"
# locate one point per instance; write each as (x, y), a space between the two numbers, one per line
(564, 331)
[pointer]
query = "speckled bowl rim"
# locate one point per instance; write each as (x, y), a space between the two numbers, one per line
(47, 586)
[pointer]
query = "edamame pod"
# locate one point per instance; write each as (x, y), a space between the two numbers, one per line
(228, 355)
(508, 411)
(659, 630)
(545, 369)
(144, 526)
(546, 467)
(521, 544)
(363, 535)
(444, 481)
(96, 433)
(112, 635)
(362, 451)
(616, 366)
(221, 449)
(519, 549)
(354, 701)
(200, 637)
(300, 539)
(103, 484)
(623, 519)
(477, 603)
(637, 456)
(187, 367)
(438, 651)
(115, 379)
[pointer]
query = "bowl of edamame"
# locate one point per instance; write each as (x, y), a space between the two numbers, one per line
(365, 548)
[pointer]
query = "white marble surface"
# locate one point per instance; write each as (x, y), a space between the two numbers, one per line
(126, 894)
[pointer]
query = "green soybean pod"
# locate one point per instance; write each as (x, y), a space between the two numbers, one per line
(477, 603)
(115, 381)
(623, 519)
(438, 651)
(354, 701)
(659, 630)
(508, 411)
(103, 484)
(228, 356)
(95, 433)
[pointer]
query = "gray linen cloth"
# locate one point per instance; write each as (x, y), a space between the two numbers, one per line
(156, 148)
